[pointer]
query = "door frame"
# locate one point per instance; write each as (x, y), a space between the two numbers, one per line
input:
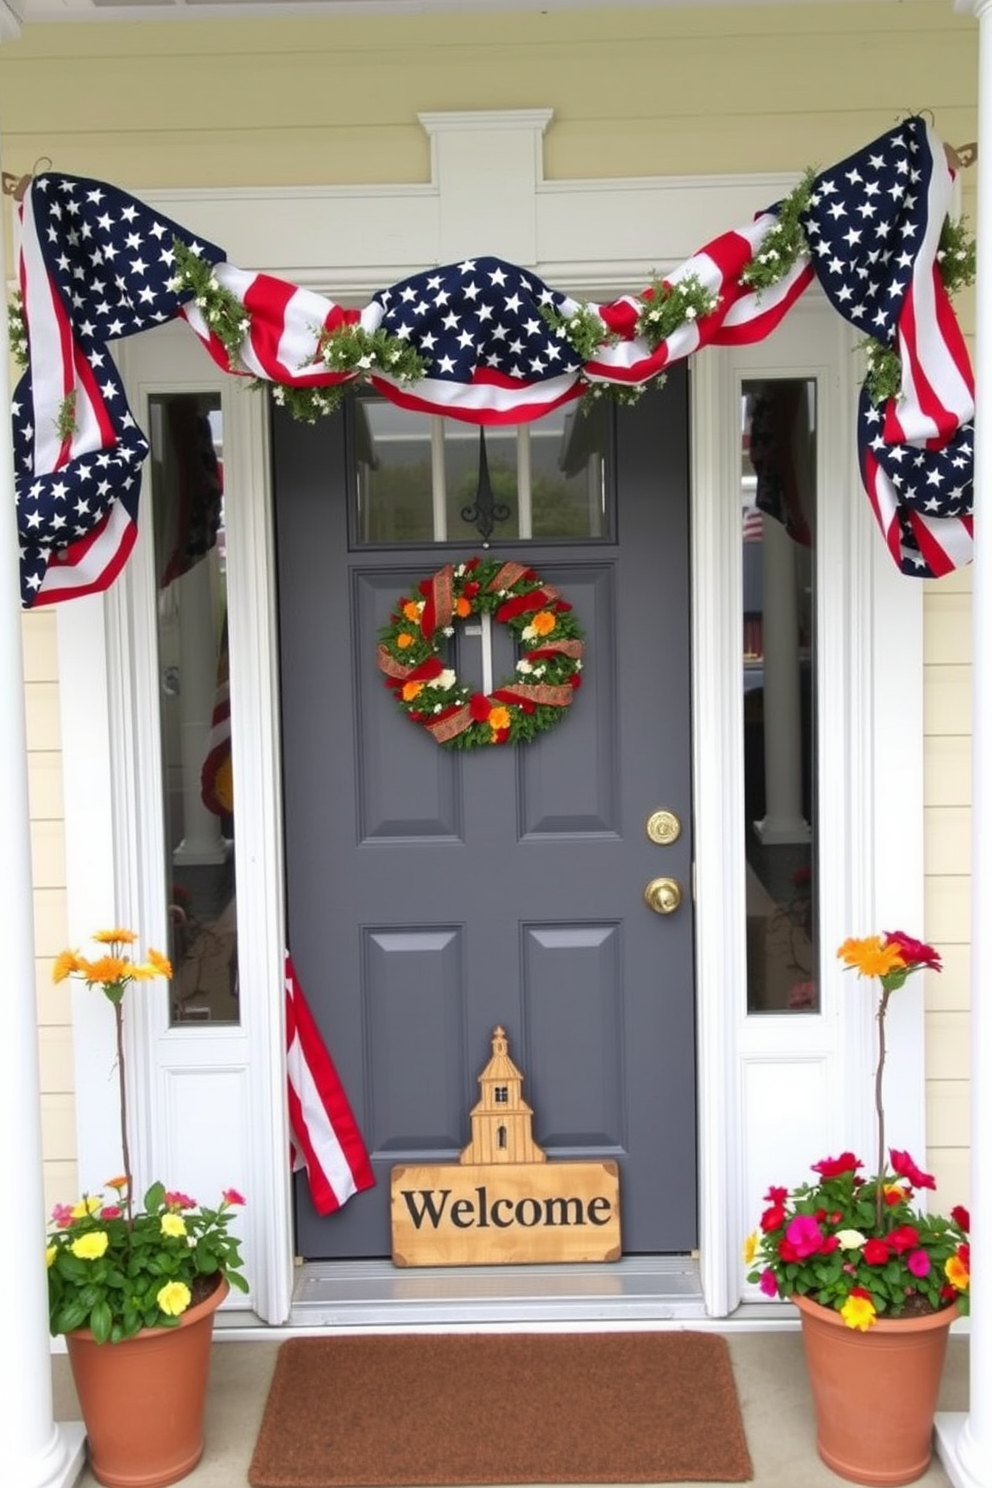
(870, 622)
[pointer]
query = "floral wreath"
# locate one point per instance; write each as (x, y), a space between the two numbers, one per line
(518, 709)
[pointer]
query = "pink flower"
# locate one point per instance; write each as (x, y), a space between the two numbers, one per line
(768, 1284)
(231, 1196)
(918, 1263)
(804, 1235)
(111, 1211)
(914, 952)
(905, 1167)
(176, 1200)
(62, 1216)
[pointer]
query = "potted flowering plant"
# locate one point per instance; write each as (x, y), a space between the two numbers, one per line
(863, 1260)
(121, 1278)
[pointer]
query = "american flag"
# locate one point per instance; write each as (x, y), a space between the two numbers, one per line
(874, 225)
(97, 264)
(325, 1138)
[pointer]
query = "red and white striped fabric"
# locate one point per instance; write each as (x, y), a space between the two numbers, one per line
(325, 1137)
(742, 315)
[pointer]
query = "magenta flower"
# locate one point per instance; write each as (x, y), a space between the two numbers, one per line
(231, 1196)
(804, 1235)
(918, 1263)
(176, 1200)
(768, 1284)
(62, 1216)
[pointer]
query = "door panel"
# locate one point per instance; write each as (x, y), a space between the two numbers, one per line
(434, 894)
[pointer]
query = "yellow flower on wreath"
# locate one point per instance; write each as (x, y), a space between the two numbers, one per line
(411, 690)
(499, 719)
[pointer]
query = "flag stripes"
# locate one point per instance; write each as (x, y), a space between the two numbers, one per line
(325, 1137)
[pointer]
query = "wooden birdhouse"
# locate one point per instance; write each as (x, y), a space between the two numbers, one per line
(501, 1120)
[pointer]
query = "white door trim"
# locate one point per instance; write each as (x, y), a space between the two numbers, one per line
(344, 241)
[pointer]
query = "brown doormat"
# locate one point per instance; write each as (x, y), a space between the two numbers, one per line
(501, 1408)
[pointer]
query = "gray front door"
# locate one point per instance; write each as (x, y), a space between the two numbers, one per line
(432, 895)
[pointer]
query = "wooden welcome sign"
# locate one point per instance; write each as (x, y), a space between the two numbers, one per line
(503, 1203)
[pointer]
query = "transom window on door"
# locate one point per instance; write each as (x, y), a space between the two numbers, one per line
(422, 478)
(197, 781)
(778, 510)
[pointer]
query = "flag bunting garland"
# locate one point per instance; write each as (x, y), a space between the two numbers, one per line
(492, 345)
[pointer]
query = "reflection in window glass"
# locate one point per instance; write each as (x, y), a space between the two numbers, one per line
(778, 503)
(198, 796)
(428, 479)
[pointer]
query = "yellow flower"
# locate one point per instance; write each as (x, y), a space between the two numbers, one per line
(51, 1251)
(858, 1312)
(871, 957)
(404, 639)
(89, 1205)
(90, 1247)
(162, 964)
(65, 962)
(463, 607)
(174, 1297)
(544, 622)
(411, 610)
(412, 690)
(957, 1273)
(750, 1247)
(499, 718)
(105, 969)
(173, 1224)
(108, 937)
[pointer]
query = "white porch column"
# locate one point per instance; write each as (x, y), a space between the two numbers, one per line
(35, 1452)
(964, 1442)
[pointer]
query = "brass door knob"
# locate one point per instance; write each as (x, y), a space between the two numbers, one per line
(663, 895)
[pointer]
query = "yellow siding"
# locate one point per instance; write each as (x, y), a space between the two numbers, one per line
(640, 91)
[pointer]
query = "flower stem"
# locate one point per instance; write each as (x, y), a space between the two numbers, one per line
(122, 1083)
(879, 1108)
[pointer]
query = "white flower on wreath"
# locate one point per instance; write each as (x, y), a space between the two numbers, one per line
(528, 633)
(447, 630)
(445, 679)
(524, 665)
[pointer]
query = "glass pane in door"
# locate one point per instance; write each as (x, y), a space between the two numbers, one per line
(425, 479)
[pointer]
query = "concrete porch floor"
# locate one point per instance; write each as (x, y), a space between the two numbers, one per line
(768, 1367)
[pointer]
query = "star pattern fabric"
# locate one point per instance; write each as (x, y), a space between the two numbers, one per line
(480, 327)
(96, 265)
(874, 224)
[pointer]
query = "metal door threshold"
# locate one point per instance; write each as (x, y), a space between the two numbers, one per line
(375, 1293)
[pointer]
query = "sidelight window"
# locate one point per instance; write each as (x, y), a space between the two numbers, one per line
(778, 524)
(197, 777)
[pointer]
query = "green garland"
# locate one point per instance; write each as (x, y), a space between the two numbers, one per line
(223, 311)
(785, 241)
(348, 349)
(428, 691)
(17, 329)
(666, 307)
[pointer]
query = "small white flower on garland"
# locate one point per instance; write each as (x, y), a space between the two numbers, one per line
(518, 709)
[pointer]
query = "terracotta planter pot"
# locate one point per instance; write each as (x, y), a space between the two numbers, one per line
(143, 1399)
(875, 1393)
